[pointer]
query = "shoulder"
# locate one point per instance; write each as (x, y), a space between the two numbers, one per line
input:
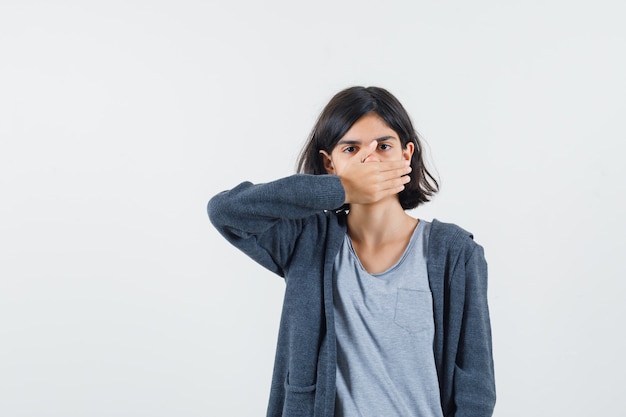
(449, 232)
(451, 239)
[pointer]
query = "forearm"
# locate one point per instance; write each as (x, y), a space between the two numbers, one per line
(249, 206)
(265, 220)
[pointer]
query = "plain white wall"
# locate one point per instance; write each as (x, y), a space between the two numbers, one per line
(119, 120)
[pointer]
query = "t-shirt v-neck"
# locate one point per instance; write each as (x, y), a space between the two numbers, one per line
(348, 241)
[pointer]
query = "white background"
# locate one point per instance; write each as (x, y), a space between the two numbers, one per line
(120, 119)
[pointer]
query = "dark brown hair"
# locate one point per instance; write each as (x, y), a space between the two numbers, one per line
(343, 110)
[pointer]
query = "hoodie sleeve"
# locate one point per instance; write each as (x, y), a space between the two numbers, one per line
(474, 382)
(265, 220)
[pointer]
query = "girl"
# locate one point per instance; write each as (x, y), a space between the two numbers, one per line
(383, 314)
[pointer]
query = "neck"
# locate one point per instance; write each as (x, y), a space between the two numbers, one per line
(375, 224)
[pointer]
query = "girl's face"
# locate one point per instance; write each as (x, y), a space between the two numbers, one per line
(365, 130)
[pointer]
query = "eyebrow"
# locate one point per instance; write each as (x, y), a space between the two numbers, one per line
(358, 142)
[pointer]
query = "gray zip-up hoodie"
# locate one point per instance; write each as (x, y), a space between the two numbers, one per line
(290, 227)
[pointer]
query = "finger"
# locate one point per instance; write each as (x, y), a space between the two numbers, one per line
(395, 173)
(392, 165)
(395, 183)
(394, 186)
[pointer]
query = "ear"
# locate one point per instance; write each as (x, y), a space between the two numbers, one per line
(328, 162)
(408, 150)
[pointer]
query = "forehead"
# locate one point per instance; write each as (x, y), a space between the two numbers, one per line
(369, 127)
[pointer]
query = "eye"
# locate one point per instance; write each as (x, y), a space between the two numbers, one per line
(349, 149)
(384, 146)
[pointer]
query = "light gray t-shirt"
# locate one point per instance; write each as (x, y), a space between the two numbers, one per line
(385, 330)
